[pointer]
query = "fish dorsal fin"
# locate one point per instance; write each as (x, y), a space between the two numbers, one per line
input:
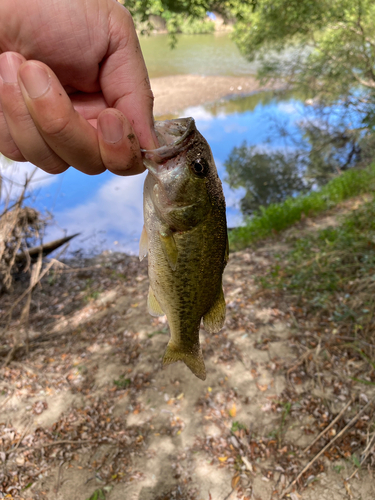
(213, 320)
(169, 247)
(193, 360)
(153, 305)
(143, 244)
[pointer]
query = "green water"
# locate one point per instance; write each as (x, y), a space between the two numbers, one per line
(214, 54)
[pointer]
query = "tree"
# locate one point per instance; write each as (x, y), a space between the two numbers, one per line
(323, 49)
(334, 41)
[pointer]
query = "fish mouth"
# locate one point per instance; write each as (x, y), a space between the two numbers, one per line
(174, 137)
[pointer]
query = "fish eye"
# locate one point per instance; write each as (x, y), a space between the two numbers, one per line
(200, 167)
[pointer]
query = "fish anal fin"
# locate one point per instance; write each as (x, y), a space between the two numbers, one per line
(213, 320)
(192, 359)
(169, 248)
(143, 244)
(153, 305)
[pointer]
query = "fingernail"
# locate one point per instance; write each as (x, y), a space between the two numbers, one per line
(111, 127)
(9, 64)
(35, 79)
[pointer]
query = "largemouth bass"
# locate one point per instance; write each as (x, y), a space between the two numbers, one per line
(185, 237)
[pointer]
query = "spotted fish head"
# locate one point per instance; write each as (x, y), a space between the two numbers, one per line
(185, 182)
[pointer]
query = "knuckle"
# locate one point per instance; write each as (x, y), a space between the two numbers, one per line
(10, 150)
(49, 162)
(14, 154)
(55, 126)
(54, 169)
(128, 18)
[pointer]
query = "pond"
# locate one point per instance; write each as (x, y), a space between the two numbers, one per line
(107, 209)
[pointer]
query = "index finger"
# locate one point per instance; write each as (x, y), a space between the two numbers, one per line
(124, 79)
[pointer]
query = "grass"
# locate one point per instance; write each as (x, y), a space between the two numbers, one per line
(237, 426)
(122, 382)
(278, 217)
(332, 272)
(327, 261)
(98, 494)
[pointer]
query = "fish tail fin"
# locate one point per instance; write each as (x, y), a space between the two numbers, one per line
(192, 359)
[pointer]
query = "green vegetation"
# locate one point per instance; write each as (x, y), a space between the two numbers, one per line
(278, 432)
(98, 494)
(333, 273)
(277, 217)
(186, 18)
(181, 23)
(237, 426)
(333, 41)
(268, 178)
(325, 51)
(122, 382)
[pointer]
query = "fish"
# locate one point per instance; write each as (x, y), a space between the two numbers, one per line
(185, 237)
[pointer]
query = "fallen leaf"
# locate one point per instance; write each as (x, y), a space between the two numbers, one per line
(233, 411)
(348, 489)
(247, 463)
(235, 481)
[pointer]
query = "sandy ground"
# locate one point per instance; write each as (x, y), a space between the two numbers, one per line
(175, 93)
(90, 408)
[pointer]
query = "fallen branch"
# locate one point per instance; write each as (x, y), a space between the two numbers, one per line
(69, 441)
(32, 285)
(45, 249)
(341, 433)
(365, 454)
(329, 427)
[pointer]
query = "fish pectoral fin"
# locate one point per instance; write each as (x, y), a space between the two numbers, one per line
(153, 305)
(169, 247)
(192, 359)
(143, 244)
(213, 320)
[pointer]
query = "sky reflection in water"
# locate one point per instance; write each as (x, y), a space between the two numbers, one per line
(107, 209)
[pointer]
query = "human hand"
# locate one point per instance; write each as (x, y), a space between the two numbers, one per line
(74, 88)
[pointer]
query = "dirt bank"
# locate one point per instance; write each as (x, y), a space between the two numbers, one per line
(175, 93)
(90, 409)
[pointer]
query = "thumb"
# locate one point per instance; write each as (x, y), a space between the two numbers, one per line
(124, 79)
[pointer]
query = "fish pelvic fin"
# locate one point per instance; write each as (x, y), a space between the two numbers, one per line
(192, 359)
(143, 244)
(213, 320)
(153, 306)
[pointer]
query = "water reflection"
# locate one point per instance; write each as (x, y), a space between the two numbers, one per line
(108, 210)
(266, 177)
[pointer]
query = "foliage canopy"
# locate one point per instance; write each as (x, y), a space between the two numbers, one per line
(323, 49)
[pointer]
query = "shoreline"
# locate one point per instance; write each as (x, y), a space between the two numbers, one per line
(175, 93)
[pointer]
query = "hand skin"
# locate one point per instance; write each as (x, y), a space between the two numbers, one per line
(74, 88)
